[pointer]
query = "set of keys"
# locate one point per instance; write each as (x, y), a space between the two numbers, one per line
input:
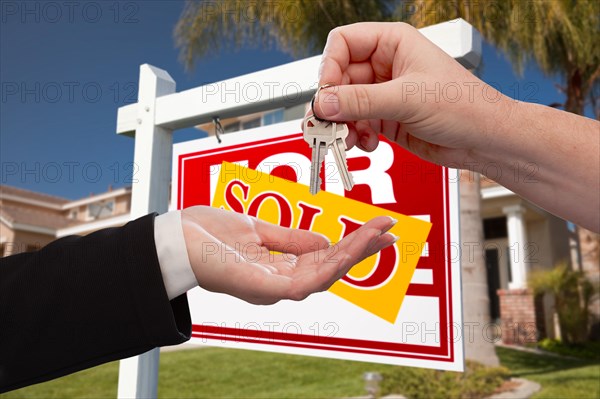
(322, 135)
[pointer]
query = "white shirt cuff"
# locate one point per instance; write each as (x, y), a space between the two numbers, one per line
(175, 266)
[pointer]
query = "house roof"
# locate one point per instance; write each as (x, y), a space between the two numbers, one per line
(47, 214)
(20, 192)
(34, 217)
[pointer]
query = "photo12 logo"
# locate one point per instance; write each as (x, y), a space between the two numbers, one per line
(53, 12)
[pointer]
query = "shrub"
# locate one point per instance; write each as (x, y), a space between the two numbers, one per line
(572, 295)
(477, 381)
(588, 350)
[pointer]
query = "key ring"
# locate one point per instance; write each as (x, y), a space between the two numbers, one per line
(218, 128)
(312, 102)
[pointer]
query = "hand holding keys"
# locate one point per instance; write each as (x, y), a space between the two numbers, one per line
(321, 135)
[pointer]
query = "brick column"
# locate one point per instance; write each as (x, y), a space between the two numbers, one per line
(517, 312)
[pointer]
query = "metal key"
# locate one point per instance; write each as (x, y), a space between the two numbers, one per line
(339, 153)
(321, 135)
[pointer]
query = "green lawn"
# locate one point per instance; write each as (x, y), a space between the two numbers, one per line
(559, 377)
(221, 373)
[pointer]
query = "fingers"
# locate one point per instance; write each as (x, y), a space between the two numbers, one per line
(334, 262)
(366, 137)
(359, 73)
(353, 44)
(361, 102)
(366, 63)
(367, 240)
(384, 241)
(294, 241)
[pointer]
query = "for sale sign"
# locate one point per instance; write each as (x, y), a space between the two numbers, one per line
(401, 306)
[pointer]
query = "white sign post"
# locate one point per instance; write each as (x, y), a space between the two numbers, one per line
(138, 376)
(160, 110)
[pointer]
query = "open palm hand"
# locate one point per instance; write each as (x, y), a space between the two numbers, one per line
(233, 253)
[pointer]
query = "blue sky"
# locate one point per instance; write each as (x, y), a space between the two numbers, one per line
(65, 70)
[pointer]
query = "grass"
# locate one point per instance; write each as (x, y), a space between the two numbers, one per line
(221, 373)
(226, 373)
(559, 377)
(97, 382)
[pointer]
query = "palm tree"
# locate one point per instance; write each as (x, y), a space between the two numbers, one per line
(561, 36)
(476, 300)
(295, 26)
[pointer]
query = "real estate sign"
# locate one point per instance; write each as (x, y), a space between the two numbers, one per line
(402, 306)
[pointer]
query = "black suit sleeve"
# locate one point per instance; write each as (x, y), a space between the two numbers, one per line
(83, 301)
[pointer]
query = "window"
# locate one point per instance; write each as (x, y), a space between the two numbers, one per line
(272, 117)
(102, 209)
(232, 127)
(495, 228)
(33, 247)
(73, 214)
(252, 123)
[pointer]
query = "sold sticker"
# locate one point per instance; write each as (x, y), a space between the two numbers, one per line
(377, 284)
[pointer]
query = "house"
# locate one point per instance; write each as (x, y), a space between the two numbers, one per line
(520, 238)
(30, 220)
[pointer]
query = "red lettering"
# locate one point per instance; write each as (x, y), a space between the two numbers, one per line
(383, 269)
(231, 200)
(285, 210)
(285, 172)
(307, 215)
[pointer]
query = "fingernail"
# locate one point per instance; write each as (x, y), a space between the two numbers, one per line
(389, 226)
(329, 104)
(394, 237)
(364, 141)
